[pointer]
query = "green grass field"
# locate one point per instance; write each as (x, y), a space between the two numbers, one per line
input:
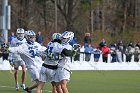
(85, 82)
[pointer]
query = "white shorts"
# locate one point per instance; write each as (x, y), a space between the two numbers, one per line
(18, 63)
(34, 73)
(46, 74)
(61, 74)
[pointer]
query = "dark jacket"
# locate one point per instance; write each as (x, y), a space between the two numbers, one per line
(39, 39)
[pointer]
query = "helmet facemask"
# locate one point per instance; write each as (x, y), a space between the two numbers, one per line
(66, 37)
(20, 36)
(31, 37)
(20, 33)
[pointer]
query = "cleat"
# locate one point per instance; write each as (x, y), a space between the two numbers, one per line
(17, 87)
(28, 91)
(23, 86)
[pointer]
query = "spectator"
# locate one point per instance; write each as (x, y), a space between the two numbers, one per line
(106, 50)
(103, 41)
(87, 39)
(88, 50)
(138, 44)
(137, 54)
(4, 51)
(77, 56)
(39, 38)
(12, 36)
(113, 53)
(129, 53)
(96, 54)
(131, 44)
(2, 41)
(120, 51)
(119, 55)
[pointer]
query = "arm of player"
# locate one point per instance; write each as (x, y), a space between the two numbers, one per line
(13, 49)
(67, 52)
(16, 49)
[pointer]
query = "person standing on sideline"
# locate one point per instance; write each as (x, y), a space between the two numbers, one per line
(39, 38)
(15, 59)
(88, 51)
(136, 54)
(105, 50)
(87, 39)
(12, 36)
(96, 55)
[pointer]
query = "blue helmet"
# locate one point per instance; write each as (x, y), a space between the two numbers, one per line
(31, 33)
(56, 36)
(67, 35)
(30, 36)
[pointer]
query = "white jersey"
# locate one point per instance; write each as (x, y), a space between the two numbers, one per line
(64, 62)
(63, 71)
(15, 43)
(53, 53)
(30, 54)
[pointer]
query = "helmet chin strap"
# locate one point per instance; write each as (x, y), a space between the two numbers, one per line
(64, 43)
(20, 38)
(30, 42)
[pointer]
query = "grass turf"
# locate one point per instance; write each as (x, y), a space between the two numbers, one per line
(85, 82)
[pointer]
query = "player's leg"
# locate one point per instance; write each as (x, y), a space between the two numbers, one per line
(40, 86)
(58, 87)
(64, 86)
(34, 85)
(64, 77)
(23, 75)
(53, 87)
(34, 73)
(16, 77)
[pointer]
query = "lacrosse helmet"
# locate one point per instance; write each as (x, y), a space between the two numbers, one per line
(20, 33)
(31, 36)
(56, 36)
(68, 36)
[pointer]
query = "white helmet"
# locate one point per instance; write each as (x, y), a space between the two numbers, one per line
(30, 36)
(67, 35)
(56, 36)
(31, 33)
(20, 33)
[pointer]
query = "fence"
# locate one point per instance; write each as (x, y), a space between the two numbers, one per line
(121, 57)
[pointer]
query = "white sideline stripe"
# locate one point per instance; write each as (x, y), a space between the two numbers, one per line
(14, 87)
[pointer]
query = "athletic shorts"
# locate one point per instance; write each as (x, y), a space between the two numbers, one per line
(61, 74)
(46, 74)
(34, 73)
(18, 63)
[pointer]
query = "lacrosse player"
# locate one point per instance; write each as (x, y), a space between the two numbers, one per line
(62, 75)
(55, 52)
(15, 59)
(30, 53)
